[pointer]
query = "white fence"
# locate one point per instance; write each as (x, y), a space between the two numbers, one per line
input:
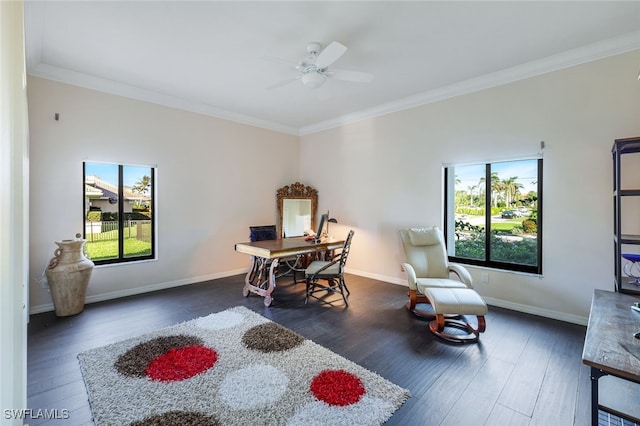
(108, 230)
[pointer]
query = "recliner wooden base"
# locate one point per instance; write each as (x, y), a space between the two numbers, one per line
(449, 306)
(414, 300)
(439, 325)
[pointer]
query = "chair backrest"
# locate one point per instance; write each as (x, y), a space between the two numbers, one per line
(345, 251)
(425, 250)
(261, 233)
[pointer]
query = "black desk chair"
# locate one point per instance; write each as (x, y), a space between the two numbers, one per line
(330, 271)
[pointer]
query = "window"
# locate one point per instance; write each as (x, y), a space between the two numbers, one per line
(119, 212)
(493, 214)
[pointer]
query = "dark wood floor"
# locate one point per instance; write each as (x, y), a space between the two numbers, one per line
(526, 370)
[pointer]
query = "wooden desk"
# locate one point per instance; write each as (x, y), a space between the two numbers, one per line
(273, 250)
(611, 350)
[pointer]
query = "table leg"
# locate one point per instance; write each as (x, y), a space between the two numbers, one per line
(254, 281)
(248, 278)
(272, 283)
(595, 375)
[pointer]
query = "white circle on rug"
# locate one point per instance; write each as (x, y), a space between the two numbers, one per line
(253, 387)
(220, 321)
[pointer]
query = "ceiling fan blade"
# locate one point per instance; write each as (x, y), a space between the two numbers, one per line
(354, 76)
(330, 54)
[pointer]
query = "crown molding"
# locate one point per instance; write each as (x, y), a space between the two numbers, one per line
(599, 50)
(86, 81)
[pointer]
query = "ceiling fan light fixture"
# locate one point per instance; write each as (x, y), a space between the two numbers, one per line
(313, 79)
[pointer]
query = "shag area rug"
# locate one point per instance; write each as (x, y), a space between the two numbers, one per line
(234, 367)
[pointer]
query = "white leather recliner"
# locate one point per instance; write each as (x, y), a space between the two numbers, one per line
(428, 266)
(430, 281)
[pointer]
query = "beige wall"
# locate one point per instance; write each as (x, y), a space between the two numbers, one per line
(378, 176)
(214, 179)
(383, 174)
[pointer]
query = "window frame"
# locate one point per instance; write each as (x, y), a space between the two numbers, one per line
(122, 259)
(487, 262)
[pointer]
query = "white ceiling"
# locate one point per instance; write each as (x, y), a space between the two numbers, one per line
(218, 58)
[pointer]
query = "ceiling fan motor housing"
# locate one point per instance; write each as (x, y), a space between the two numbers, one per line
(313, 79)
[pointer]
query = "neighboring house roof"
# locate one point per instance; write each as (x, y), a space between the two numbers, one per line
(92, 191)
(97, 188)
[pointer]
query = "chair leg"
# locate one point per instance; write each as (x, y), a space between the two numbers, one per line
(344, 283)
(307, 286)
(414, 299)
(343, 287)
(411, 303)
(334, 285)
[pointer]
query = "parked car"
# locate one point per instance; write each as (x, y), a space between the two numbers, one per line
(510, 214)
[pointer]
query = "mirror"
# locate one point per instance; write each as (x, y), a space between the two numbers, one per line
(297, 206)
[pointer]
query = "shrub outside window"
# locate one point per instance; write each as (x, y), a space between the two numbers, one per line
(119, 212)
(493, 214)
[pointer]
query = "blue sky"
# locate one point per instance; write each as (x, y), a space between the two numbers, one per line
(109, 173)
(526, 172)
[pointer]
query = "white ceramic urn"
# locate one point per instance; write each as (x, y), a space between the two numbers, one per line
(68, 276)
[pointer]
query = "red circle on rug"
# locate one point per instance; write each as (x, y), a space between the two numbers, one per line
(181, 363)
(337, 387)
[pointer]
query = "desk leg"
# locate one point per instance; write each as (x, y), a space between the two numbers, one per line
(253, 281)
(595, 376)
(272, 283)
(249, 277)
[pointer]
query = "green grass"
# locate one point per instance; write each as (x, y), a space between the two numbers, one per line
(505, 226)
(101, 250)
(105, 245)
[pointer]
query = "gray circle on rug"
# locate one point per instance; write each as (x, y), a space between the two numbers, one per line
(271, 337)
(183, 418)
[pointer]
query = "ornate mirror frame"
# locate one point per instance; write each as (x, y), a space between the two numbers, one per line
(297, 191)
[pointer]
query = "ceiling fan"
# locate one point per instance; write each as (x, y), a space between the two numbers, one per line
(314, 68)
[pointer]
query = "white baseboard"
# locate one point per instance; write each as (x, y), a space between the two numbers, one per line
(547, 313)
(140, 290)
(384, 278)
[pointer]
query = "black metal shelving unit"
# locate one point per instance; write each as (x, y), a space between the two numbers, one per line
(624, 242)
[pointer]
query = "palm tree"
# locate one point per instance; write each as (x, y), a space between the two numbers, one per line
(142, 186)
(496, 188)
(471, 189)
(511, 190)
(482, 190)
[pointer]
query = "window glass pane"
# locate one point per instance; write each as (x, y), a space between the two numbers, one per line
(119, 209)
(101, 210)
(493, 214)
(469, 211)
(137, 210)
(514, 201)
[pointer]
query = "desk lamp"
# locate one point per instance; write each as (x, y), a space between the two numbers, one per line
(330, 220)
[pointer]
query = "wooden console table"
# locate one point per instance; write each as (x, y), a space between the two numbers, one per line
(613, 353)
(262, 252)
